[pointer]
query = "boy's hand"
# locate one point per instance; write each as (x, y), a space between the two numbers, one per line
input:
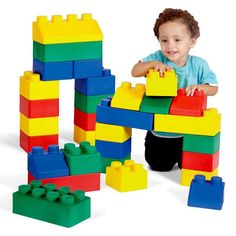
(158, 66)
(191, 88)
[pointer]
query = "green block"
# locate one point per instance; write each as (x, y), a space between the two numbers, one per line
(83, 159)
(46, 203)
(156, 105)
(107, 162)
(88, 104)
(201, 143)
(67, 51)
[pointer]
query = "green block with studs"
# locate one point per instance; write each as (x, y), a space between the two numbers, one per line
(46, 203)
(83, 159)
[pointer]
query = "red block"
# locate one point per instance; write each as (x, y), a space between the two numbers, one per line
(27, 142)
(188, 105)
(200, 161)
(84, 120)
(86, 182)
(39, 108)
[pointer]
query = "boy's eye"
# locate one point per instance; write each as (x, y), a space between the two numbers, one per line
(163, 40)
(177, 40)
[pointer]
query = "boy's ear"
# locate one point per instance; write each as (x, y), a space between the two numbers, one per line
(193, 43)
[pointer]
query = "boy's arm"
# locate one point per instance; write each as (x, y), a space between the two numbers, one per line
(208, 90)
(141, 68)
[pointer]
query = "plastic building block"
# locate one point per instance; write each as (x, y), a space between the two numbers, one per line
(32, 88)
(70, 30)
(184, 105)
(200, 161)
(81, 135)
(208, 124)
(39, 108)
(127, 177)
(27, 142)
(54, 70)
(187, 175)
(115, 116)
(87, 68)
(83, 159)
(107, 162)
(201, 143)
(112, 133)
(67, 51)
(85, 121)
(161, 86)
(128, 97)
(46, 203)
(86, 182)
(113, 149)
(104, 84)
(88, 104)
(47, 164)
(206, 194)
(39, 126)
(156, 105)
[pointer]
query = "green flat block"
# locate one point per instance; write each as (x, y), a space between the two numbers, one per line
(107, 162)
(88, 104)
(201, 143)
(156, 105)
(46, 203)
(83, 159)
(67, 51)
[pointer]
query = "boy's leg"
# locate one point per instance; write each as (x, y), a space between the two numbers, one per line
(163, 153)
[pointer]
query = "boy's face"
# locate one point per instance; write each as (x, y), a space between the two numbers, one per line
(175, 41)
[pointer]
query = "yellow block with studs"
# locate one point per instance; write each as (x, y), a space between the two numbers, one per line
(38, 126)
(32, 88)
(127, 177)
(161, 86)
(68, 30)
(188, 175)
(112, 133)
(128, 97)
(208, 124)
(81, 135)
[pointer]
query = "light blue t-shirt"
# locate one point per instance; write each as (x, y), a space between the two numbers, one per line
(196, 70)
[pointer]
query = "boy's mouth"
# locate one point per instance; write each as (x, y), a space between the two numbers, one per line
(171, 52)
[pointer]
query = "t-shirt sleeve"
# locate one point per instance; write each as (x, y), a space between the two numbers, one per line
(156, 56)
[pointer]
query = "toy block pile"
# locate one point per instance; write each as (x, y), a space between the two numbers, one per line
(75, 167)
(63, 49)
(132, 107)
(46, 203)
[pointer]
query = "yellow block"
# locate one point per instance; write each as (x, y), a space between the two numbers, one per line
(69, 30)
(112, 133)
(38, 126)
(161, 86)
(81, 135)
(32, 88)
(188, 175)
(128, 97)
(127, 177)
(208, 124)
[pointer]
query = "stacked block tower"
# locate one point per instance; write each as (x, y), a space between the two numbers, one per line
(160, 107)
(63, 49)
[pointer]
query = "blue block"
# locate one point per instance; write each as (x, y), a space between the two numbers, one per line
(206, 194)
(116, 116)
(87, 68)
(104, 84)
(53, 70)
(47, 164)
(114, 150)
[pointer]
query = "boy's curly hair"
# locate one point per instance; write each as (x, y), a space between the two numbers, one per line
(179, 15)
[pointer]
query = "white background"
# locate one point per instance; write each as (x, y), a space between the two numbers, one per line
(128, 36)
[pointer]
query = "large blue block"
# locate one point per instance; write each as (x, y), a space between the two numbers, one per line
(116, 116)
(104, 84)
(206, 194)
(87, 68)
(53, 70)
(114, 150)
(47, 164)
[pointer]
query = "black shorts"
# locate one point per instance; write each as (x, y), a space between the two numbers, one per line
(163, 153)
